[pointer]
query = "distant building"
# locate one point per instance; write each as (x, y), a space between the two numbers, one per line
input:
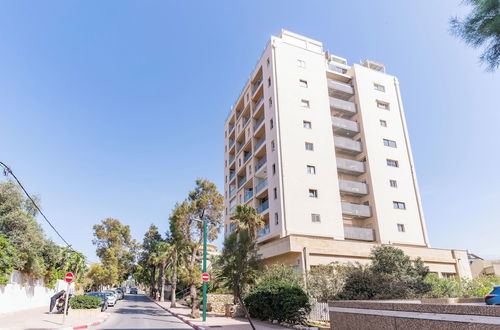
(321, 149)
(480, 267)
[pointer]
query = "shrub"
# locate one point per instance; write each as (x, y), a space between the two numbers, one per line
(84, 302)
(324, 282)
(280, 272)
(464, 288)
(278, 300)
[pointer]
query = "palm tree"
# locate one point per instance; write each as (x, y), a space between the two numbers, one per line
(160, 258)
(240, 261)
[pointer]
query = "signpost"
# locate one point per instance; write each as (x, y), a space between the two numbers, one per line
(68, 278)
(205, 277)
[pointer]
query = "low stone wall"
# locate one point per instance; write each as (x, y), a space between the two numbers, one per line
(392, 315)
(216, 302)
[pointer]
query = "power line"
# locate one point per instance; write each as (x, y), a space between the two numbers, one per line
(7, 170)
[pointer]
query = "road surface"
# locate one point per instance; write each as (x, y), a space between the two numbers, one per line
(138, 312)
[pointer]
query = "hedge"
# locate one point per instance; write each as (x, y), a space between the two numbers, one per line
(84, 302)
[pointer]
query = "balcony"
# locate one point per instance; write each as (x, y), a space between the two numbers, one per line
(248, 155)
(353, 187)
(259, 143)
(335, 68)
(245, 120)
(256, 86)
(346, 108)
(257, 123)
(242, 182)
(347, 145)
(231, 127)
(359, 233)
(264, 206)
(232, 192)
(231, 159)
(261, 185)
(340, 90)
(231, 143)
(351, 167)
(258, 104)
(356, 210)
(264, 231)
(232, 175)
(248, 195)
(261, 163)
(232, 209)
(344, 126)
(241, 145)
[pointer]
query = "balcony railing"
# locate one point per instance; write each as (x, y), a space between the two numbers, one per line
(245, 120)
(344, 126)
(356, 210)
(353, 187)
(264, 231)
(231, 128)
(257, 123)
(256, 86)
(352, 167)
(242, 182)
(340, 87)
(260, 164)
(259, 143)
(258, 104)
(232, 175)
(247, 157)
(232, 209)
(232, 192)
(248, 195)
(261, 185)
(264, 206)
(347, 145)
(241, 146)
(231, 143)
(231, 159)
(346, 107)
(335, 68)
(359, 233)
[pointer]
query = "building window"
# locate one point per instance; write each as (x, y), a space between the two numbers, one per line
(304, 103)
(268, 62)
(313, 193)
(315, 217)
(399, 205)
(268, 82)
(390, 143)
(311, 169)
(309, 146)
(393, 183)
(276, 220)
(383, 123)
(226, 179)
(301, 63)
(379, 87)
(393, 163)
(249, 169)
(383, 105)
(401, 228)
(272, 145)
(271, 123)
(303, 83)
(275, 192)
(270, 102)
(274, 169)
(307, 124)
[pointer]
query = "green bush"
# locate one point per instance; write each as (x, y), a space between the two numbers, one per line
(464, 288)
(84, 302)
(278, 300)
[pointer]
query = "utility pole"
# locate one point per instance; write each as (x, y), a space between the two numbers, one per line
(204, 270)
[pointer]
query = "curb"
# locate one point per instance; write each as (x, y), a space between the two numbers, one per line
(180, 317)
(88, 325)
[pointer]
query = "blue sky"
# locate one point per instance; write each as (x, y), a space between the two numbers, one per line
(114, 108)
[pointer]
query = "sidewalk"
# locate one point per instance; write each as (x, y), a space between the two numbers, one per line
(216, 321)
(38, 318)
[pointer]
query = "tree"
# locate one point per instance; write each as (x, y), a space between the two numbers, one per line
(149, 245)
(280, 272)
(240, 261)
(481, 27)
(101, 276)
(116, 248)
(8, 256)
(164, 252)
(204, 202)
(325, 282)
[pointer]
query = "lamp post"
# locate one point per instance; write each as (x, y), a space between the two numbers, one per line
(205, 223)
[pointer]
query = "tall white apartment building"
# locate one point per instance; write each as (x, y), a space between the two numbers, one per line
(321, 149)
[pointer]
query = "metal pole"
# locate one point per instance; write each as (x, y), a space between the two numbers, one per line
(65, 310)
(204, 270)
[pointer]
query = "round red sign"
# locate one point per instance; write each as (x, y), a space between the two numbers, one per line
(205, 277)
(68, 277)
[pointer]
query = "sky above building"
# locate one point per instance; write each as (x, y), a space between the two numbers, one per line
(114, 108)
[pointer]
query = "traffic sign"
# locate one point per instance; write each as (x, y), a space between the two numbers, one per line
(205, 277)
(69, 277)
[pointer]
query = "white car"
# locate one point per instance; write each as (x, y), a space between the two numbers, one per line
(111, 297)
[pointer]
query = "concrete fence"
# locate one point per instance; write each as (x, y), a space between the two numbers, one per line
(22, 292)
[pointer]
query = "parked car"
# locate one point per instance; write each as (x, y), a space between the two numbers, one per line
(493, 298)
(133, 290)
(104, 299)
(112, 297)
(120, 293)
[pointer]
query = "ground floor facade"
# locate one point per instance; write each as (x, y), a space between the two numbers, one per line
(304, 252)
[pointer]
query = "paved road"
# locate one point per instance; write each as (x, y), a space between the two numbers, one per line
(138, 312)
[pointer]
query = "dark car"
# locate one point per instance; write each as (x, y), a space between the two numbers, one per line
(104, 299)
(493, 298)
(133, 290)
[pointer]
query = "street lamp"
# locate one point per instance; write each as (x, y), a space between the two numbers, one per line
(205, 222)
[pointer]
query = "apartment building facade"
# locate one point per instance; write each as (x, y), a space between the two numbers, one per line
(321, 149)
